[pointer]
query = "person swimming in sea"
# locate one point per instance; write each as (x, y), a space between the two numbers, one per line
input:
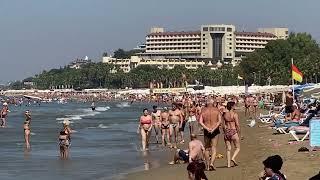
(93, 106)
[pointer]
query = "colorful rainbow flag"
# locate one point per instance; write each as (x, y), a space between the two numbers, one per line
(296, 73)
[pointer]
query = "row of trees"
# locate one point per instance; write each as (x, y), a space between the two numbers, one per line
(96, 75)
(274, 60)
(269, 64)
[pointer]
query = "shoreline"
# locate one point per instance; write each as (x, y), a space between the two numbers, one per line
(257, 145)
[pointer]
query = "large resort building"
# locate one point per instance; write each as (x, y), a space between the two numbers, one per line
(212, 45)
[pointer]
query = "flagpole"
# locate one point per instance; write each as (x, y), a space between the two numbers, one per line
(292, 80)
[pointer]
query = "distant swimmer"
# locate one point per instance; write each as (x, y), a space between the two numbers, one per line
(3, 114)
(27, 130)
(165, 123)
(144, 128)
(210, 120)
(156, 118)
(93, 106)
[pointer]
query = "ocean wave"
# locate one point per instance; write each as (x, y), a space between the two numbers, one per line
(86, 113)
(102, 109)
(123, 105)
(100, 126)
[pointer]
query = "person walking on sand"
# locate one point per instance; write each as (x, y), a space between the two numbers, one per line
(192, 119)
(210, 120)
(165, 126)
(156, 113)
(176, 120)
(231, 128)
(27, 130)
(144, 128)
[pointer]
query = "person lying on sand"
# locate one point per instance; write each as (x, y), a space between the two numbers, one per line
(180, 157)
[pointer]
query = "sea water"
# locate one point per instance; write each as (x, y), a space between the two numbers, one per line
(104, 145)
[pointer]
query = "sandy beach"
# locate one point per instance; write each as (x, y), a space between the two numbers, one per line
(258, 143)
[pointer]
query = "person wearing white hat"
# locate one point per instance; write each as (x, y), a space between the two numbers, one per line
(66, 131)
(4, 113)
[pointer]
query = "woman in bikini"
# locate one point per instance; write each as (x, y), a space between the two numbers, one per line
(65, 139)
(145, 127)
(64, 144)
(26, 127)
(3, 114)
(231, 130)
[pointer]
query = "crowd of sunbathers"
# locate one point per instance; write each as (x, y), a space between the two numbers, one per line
(292, 117)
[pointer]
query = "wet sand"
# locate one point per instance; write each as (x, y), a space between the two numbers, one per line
(258, 143)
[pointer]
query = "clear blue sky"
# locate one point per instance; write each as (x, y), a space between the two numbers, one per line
(42, 34)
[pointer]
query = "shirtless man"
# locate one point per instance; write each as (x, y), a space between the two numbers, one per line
(192, 119)
(210, 120)
(4, 113)
(251, 106)
(196, 166)
(184, 113)
(176, 120)
(165, 126)
(246, 106)
(156, 121)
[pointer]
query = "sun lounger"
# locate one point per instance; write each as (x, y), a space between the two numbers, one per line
(293, 133)
(282, 130)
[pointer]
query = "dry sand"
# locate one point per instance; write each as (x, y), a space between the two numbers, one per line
(258, 143)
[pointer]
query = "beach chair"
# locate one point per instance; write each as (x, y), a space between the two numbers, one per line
(293, 133)
(282, 130)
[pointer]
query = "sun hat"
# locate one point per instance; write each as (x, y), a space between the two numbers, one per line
(5, 104)
(66, 122)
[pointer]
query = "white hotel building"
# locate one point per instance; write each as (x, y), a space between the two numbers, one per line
(193, 49)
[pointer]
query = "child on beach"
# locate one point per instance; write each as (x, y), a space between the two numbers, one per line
(272, 167)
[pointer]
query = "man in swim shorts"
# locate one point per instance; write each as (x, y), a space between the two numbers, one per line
(156, 121)
(165, 123)
(210, 120)
(176, 119)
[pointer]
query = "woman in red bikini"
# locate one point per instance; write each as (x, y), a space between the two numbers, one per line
(231, 130)
(144, 128)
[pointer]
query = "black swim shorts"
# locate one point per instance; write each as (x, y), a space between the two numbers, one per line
(207, 136)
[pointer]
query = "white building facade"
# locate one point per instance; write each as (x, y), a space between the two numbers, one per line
(193, 49)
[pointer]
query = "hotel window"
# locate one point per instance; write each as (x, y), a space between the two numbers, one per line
(230, 47)
(204, 48)
(229, 29)
(205, 28)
